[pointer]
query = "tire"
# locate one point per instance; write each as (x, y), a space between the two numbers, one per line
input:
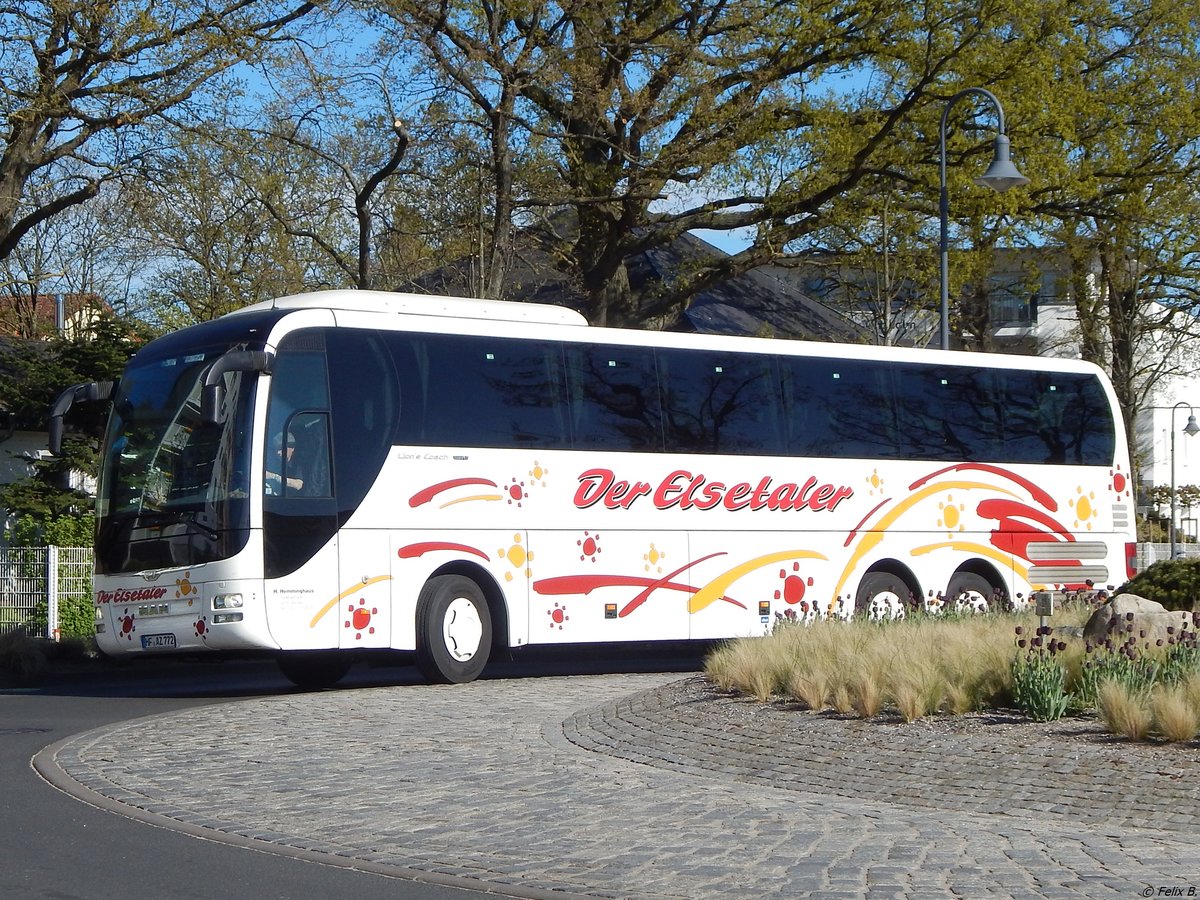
(314, 669)
(881, 595)
(976, 587)
(454, 630)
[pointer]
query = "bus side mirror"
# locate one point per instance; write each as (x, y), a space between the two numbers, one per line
(212, 394)
(85, 392)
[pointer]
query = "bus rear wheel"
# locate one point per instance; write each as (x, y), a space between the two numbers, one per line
(454, 630)
(881, 595)
(313, 669)
(969, 592)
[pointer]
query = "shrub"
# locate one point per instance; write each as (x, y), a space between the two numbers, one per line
(1175, 583)
(21, 657)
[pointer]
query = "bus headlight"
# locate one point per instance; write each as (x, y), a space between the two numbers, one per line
(226, 618)
(227, 601)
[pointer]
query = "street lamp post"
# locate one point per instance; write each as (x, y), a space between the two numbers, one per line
(1189, 429)
(1000, 176)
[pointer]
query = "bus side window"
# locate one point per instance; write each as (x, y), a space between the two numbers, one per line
(840, 408)
(1061, 418)
(947, 414)
(1033, 425)
(306, 471)
(486, 391)
(720, 403)
(613, 395)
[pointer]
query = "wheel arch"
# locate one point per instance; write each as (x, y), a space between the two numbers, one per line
(497, 605)
(988, 571)
(899, 570)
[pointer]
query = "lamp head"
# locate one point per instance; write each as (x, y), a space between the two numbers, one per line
(1191, 427)
(1001, 174)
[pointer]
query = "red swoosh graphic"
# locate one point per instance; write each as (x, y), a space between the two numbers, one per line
(1038, 494)
(585, 584)
(424, 496)
(412, 551)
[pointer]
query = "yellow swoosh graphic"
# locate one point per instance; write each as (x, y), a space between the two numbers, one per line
(715, 589)
(343, 595)
(1005, 559)
(871, 539)
(469, 499)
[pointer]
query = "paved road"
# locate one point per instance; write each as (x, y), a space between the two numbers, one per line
(595, 786)
(54, 847)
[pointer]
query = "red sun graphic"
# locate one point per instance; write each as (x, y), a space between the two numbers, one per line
(201, 625)
(558, 617)
(360, 618)
(794, 586)
(589, 546)
(516, 492)
(1120, 482)
(125, 622)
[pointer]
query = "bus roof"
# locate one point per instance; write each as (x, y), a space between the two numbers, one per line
(432, 306)
(423, 305)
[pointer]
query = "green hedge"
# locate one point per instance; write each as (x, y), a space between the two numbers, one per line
(1175, 583)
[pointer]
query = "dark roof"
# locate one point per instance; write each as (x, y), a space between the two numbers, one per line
(759, 302)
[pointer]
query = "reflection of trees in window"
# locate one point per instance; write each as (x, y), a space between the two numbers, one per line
(720, 403)
(614, 398)
(951, 414)
(840, 408)
(1058, 418)
(488, 391)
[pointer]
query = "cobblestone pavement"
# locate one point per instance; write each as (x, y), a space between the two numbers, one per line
(644, 786)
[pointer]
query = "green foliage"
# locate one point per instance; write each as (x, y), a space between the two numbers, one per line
(1039, 680)
(57, 531)
(1175, 583)
(32, 375)
(1137, 674)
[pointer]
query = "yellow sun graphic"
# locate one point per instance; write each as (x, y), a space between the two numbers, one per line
(951, 513)
(875, 482)
(517, 557)
(1085, 508)
(185, 588)
(652, 558)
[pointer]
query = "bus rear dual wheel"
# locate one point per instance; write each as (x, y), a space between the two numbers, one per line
(883, 589)
(454, 630)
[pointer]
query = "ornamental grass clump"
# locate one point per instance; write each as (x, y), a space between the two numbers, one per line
(1175, 710)
(918, 666)
(1124, 710)
(1039, 679)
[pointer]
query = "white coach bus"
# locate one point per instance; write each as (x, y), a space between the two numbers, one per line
(343, 471)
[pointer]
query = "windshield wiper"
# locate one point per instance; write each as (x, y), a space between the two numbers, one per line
(183, 516)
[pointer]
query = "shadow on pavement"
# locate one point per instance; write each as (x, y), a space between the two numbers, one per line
(228, 677)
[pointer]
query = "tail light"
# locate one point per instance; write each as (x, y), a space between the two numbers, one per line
(1130, 560)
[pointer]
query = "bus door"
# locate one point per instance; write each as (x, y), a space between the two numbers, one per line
(300, 521)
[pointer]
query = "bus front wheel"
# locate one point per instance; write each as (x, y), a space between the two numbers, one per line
(454, 630)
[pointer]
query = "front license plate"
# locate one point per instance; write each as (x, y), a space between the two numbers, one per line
(158, 642)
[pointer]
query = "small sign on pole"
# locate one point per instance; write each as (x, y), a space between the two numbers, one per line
(1044, 604)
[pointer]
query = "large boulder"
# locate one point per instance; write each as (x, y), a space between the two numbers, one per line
(1128, 614)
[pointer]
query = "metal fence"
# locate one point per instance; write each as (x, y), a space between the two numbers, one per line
(47, 591)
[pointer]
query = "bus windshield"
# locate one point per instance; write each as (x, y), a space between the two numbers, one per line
(173, 488)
